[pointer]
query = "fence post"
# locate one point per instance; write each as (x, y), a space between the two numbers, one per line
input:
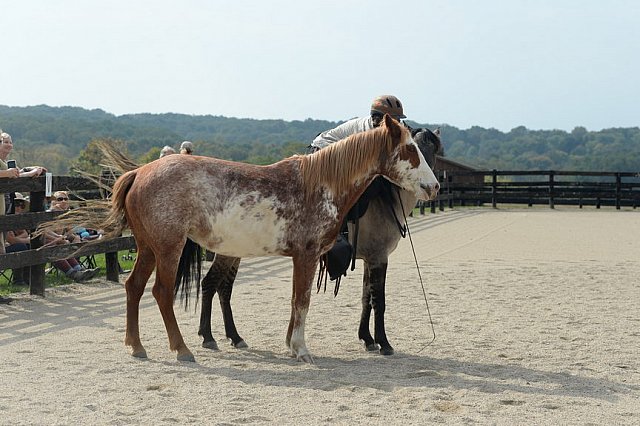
(112, 265)
(494, 189)
(442, 178)
(36, 282)
(448, 179)
(551, 203)
(618, 188)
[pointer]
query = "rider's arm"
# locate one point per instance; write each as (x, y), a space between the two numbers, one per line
(348, 128)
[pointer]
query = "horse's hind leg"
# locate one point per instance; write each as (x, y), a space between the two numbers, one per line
(134, 285)
(228, 277)
(209, 288)
(363, 331)
(163, 291)
(219, 279)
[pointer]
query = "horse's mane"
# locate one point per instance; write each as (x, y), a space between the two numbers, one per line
(337, 166)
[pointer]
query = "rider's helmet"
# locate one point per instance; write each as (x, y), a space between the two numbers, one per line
(388, 104)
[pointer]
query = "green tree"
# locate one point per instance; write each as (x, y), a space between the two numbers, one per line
(90, 159)
(152, 154)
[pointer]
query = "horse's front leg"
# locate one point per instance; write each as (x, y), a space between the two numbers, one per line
(363, 331)
(377, 280)
(303, 271)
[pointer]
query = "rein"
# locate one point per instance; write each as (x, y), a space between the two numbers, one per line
(424, 292)
(402, 228)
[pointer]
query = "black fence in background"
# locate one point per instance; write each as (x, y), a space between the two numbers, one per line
(494, 187)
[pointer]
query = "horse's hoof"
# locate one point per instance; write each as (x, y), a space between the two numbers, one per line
(372, 347)
(211, 344)
(186, 357)
(240, 345)
(306, 358)
(386, 351)
(140, 353)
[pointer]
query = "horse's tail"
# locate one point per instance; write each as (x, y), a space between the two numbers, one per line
(189, 269)
(108, 215)
(116, 220)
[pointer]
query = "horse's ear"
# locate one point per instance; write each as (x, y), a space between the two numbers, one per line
(437, 132)
(393, 127)
(414, 132)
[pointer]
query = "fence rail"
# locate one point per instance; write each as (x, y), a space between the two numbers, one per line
(38, 256)
(540, 187)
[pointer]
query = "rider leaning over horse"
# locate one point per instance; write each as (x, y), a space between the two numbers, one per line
(337, 260)
(385, 104)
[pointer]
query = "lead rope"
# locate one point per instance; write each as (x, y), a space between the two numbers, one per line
(424, 292)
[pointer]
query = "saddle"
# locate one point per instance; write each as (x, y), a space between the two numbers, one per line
(335, 262)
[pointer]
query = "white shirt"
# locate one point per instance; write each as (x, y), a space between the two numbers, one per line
(348, 128)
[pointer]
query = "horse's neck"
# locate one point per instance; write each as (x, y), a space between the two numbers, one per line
(408, 200)
(349, 199)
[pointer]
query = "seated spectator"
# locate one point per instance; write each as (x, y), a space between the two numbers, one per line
(167, 150)
(186, 148)
(19, 240)
(71, 267)
(87, 234)
(60, 202)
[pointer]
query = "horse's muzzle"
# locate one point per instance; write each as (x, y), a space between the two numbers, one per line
(429, 192)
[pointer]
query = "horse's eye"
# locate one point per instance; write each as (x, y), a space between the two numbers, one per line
(411, 149)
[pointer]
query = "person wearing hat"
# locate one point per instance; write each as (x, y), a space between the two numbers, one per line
(19, 240)
(186, 148)
(381, 105)
(167, 150)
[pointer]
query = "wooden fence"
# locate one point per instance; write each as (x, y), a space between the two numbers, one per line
(540, 187)
(39, 256)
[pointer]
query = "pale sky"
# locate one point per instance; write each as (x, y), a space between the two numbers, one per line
(544, 64)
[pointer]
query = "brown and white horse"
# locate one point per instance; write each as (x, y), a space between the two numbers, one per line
(291, 208)
(379, 231)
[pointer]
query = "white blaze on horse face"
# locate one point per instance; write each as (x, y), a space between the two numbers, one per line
(248, 226)
(421, 179)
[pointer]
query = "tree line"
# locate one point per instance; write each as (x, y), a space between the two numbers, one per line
(60, 138)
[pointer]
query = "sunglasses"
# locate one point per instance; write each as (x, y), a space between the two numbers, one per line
(62, 199)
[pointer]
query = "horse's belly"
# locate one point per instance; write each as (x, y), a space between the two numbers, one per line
(247, 231)
(242, 244)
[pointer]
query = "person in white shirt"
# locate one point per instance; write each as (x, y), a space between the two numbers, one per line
(381, 105)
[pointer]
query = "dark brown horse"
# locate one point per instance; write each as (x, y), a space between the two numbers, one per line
(292, 208)
(379, 232)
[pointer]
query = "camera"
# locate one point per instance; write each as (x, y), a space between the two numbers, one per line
(11, 164)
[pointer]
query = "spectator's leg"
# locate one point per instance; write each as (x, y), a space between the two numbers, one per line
(19, 276)
(63, 266)
(73, 262)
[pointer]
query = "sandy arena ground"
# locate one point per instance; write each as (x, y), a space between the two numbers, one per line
(536, 312)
